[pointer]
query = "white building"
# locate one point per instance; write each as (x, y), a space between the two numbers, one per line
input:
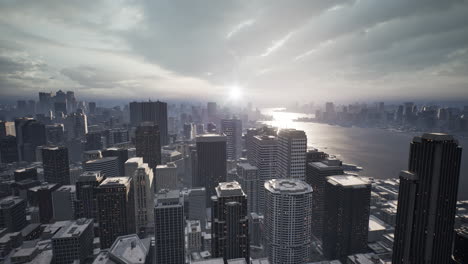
(288, 216)
(166, 176)
(292, 148)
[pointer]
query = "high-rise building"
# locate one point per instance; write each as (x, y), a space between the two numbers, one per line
(92, 108)
(232, 128)
(166, 177)
(109, 166)
(115, 136)
(427, 201)
(194, 236)
(460, 245)
(169, 228)
(73, 242)
(116, 211)
(26, 173)
(248, 179)
(346, 218)
(143, 181)
(292, 148)
(288, 213)
(211, 162)
(128, 249)
(86, 194)
(45, 102)
(13, 213)
(155, 112)
(195, 204)
(189, 131)
(212, 110)
(8, 149)
(316, 177)
(55, 134)
(147, 143)
(94, 141)
(76, 125)
(29, 135)
(122, 157)
(56, 165)
(63, 202)
(263, 156)
(41, 197)
(229, 222)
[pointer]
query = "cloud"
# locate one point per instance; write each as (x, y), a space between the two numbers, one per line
(315, 50)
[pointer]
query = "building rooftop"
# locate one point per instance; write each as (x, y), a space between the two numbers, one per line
(323, 166)
(347, 181)
(138, 160)
(66, 188)
(246, 166)
(227, 189)
(211, 138)
(287, 186)
(103, 160)
(237, 261)
(90, 176)
(261, 261)
(375, 224)
(115, 181)
(210, 261)
(74, 229)
(10, 201)
(169, 165)
(166, 198)
(129, 249)
(43, 186)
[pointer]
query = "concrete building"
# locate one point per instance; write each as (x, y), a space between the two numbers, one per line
(232, 128)
(346, 218)
(63, 202)
(229, 222)
(73, 242)
(169, 228)
(116, 212)
(194, 236)
(56, 165)
(288, 235)
(292, 148)
(248, 178)
(155, 112)
(41, 197)
(86, 194)
(13, 213)
(147, 143)
(109, 166)
(166, 177)
(195, 204)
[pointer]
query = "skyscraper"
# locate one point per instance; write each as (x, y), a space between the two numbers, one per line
(63, 202)
(143, 181)
(13, 213)
(93, 141)
(116, 211)
(427, 201)
(288, 213)
(229, 222)
(292, 148)
(248, 179)
(263, 156)
(73, 242)
(122, 157)
(8, 149)
(346, 218)
(147, 143)
(109, 166)
(86, 194)
(76, 125)
(169, 228)
(30, 134)
(55, 134)
(232, 128)
(41, 197)
(153, 112)
(316, 174)
(211, 162)
(166, 177)
(56, 165)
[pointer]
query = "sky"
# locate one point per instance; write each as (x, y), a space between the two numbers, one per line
(253, 50)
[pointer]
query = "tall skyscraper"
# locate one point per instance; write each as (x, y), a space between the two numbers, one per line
(45, 102)
(116, 211)
(248, 179)
(346, 218)
(212, 111)
(63, 202)
(288, 213)
(94, 141)
(41, 197)
(292, 148)
(56, 165)
(55, 134)
(169, 228)
(232, 128)
(147, 143)
(211, 162)
(195, 204)
(263, 156)
(86, 194)
(8, 149)
(143, 181)
(13, 213)
(76, 125)
(229, 222)
(316, 176)
(153, 112)
(427, 201)
(73, 242)
(122, 157)
(30, 134)
(166, 177)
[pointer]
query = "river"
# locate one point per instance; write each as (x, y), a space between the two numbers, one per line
(381, 153)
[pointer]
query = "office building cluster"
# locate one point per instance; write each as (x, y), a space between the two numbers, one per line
(163, 183)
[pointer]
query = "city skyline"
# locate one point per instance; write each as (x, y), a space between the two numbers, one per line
(333, 50)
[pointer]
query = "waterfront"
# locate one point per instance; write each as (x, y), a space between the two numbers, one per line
(381, 153)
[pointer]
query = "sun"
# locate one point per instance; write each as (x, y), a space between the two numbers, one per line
(235, 92)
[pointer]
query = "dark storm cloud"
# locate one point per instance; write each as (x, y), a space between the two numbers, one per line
(340, 49)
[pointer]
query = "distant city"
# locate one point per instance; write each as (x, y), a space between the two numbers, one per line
(162, 183)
